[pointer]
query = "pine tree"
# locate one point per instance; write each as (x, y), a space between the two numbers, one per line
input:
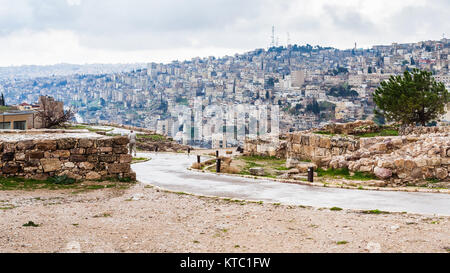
(414, 98)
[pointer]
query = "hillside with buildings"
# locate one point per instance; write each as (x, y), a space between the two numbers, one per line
(307, 86)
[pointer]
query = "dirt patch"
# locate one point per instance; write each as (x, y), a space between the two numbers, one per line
(146, 219)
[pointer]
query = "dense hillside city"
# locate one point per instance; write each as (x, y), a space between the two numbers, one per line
(311, 85)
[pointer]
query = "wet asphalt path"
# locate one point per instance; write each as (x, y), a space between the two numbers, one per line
(169, 171)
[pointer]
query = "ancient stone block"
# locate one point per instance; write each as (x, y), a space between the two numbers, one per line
(382, 173)
(9, 147)
(66, 143)
(106, 158)
(46, 145)
(120, 150)
(297, 148)
(434, 161)
(116, 168)
(108, 142)
(25, 145)
(125, 158)
(70, 174)
(305, 140)
(92, 158)
(85, 143)
(416, 173)
(296, 138)
(131, 175)
(409, 164)
(69, 165)
(121, 140)
(91, 151)
(257, 171)
(50, 164)
(105, 149)
(366, 168)
(20, 156)
(441, 173)
(10, 168)
(399, 163)
(86, 165)
(32, 162)
(93, 176)
(61, 153)
(77, 158)
(77, 151)
(8, 156)
(325, 142)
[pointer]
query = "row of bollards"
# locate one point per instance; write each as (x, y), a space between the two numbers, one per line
(218, 160)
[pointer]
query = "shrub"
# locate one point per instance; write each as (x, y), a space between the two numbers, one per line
(61, 180)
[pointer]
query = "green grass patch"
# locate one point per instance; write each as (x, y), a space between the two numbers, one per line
(269, 163)
(282, 168)
(335, 208)
(384, 132)
(345, 173)
(375, 211)
(433, 180)
(102, 215)
(324, 133)
(363, 176)
(81, 127)
(30, 224)
(333, 172)
(151, 137)
(341, 242)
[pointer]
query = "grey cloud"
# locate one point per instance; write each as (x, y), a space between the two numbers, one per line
(412, 22)
(167, 24)
(349, 20)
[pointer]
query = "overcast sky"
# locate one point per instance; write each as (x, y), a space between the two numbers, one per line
(128, 31)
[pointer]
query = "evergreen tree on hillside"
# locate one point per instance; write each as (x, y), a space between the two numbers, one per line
(414, 98)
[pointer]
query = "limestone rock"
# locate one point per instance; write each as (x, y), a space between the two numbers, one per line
(50, 164)
(93, 176)
(86, 165)
(441, 173)
(291, 162)
(382, 173)
(257, 171)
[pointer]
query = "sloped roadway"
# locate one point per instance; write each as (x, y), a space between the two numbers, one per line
(169, 171)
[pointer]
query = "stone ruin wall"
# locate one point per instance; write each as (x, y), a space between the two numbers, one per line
(76, 157)
(318, 148)
(265, 148)
(424, 153)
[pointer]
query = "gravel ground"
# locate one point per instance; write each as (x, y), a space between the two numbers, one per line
(145, 219)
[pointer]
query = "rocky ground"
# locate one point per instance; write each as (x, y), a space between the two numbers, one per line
(146, 219)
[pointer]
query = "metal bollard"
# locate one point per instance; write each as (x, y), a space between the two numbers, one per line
(218, 165)
(217, 153)
(198, 159)
(310, 174)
